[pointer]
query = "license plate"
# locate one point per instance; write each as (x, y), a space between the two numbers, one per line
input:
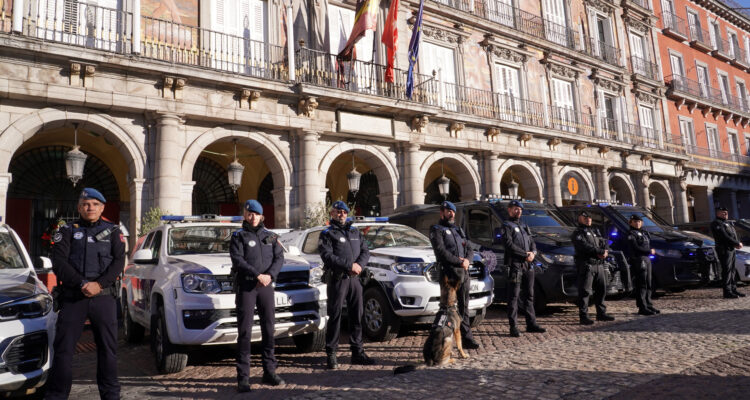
(474, 288)
(283, 300)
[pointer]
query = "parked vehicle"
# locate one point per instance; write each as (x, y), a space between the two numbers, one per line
(682, 259)
(742, 226)
(401, 278)
(27, 321)
(555, 270)
(178, 285)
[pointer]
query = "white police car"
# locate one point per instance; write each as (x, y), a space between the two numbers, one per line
(401, 279)
(178, 285)
(27, 322)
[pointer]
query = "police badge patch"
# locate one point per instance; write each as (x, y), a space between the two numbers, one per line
(516, 229)
(78, 235)
(251, 243)
(58, 237)
(342, 239)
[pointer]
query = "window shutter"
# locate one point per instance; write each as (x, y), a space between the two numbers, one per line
(676, 65)
(562, 93)
(258, 20)
(70, 16)
(219, 16)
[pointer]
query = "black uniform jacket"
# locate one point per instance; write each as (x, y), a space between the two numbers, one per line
(450, 244)
(82, 247)
(255, 252)
(340, 246)
(588, 244)
(517, 239)
(639, 245)
(724, 235)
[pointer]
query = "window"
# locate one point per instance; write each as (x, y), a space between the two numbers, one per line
(734, 44)
(340, 22)
(742, 95)
(609, 115)
(747, 49)
(696, 32)
(555, 24)
(602, 35)
(646, 116)
(311, 243)
(678, 71)
(668, 14)
(501, 11)
(441, 60)
(747, 145)
(239, 33)
(703, 80)
(687, 132)
(734, 145)
(563, 114)
(509, 92)
(479, 226)
(724, 86)
(638, 54)
(715, 33)
(713, 140)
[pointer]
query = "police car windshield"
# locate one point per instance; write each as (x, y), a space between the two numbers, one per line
(10, 256)
(648, 223)
(200, 239)
(378, 236)
(534, 217)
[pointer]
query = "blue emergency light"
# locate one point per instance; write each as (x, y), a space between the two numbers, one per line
(359, 218)
(201, 218)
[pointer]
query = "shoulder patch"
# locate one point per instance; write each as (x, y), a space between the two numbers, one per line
(58, 236)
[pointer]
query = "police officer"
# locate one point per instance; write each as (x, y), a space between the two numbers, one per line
(639, 250)
(590, 251)
(454, 255)
(257, 258)
(87, 258)
(344, 253)
(726, 242)
(520, 251)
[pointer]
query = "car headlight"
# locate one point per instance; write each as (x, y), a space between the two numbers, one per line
(556, 258)
(671, 253)
(200, 283)
(30, 307)
(409, 268)
(316, 275)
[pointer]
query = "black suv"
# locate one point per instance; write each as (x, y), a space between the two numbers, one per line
(742, 226)
(682, 259)
(556, 272)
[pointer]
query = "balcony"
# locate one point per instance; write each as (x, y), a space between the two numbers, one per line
(715, 158)
(321, 69)
(486, 104)
(674, 26)
(641, 5)
(642, 136)
(609, 128)
(700, 39)
(569, 120)
(644, 68)
(740, 60)
(712, 100)
(602, 51)
(722, 49)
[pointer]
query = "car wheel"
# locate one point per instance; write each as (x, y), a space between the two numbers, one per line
(168, 357)
(310, 342)
(477, 319)
(133, 331)
(380, 323)
(540, 300)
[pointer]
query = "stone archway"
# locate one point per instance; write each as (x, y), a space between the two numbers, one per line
(576, 186)
(530, 183)
(460, 166)
(662, 202)
(623, 187)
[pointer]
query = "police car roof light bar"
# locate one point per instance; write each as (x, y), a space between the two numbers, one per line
(359, 218)
(200, 218)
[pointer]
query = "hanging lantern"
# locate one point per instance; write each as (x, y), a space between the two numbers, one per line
(612, 195)
(75, 160)
(444, 186)
(353, 178)
(691, 200)
(513, 188)
(234, 171)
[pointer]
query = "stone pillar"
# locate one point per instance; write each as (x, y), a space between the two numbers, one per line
(135, 187)
(733, 209)
(710, 203)
(309, 187)
(169, 151)
(413, 179)
(681, 206)
(492, 176)
(186, 197)
(18, 12)
(5, 180)
(554, 193)
(601, 182)
(642, 183)
(136, 38)
(281, 206)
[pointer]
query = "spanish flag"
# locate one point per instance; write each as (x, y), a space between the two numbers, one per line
(390, 39)
(365, 18)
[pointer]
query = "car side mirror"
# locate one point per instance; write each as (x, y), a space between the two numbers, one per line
(144, 256)
(497, 236)
(46, 263)
(294, 250)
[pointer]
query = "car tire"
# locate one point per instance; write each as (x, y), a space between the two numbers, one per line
(169, 358)
(540, 300)
(132, 330)
(478, 318)
(310, 342)
(380, 324)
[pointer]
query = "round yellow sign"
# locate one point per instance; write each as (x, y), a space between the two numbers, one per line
(573, 186)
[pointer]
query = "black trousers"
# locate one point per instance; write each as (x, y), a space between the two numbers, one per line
(246, 301)
(641, 269)
(462, 295)
(592, 285)
(727, 260)
(521, 289)
(102, 313)
(348, 289)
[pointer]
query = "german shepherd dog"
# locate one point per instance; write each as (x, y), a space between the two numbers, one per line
(446, 331)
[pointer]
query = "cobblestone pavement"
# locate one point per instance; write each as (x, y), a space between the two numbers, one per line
(697, 348)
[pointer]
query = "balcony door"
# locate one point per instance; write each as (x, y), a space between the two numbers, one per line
(678, 70)
(509, 93)
(501, 11)
(687, 132)
(725, 93)
(555, 24)
(646, 116)
(238, 35)
(357, 75)
(696, 33)
(440, 59)
(638, 53)
(703, 80)
(563, 108)
(713, 141)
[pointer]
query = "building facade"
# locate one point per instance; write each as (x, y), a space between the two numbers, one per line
(566, 99)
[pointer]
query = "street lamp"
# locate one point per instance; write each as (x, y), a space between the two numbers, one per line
(513, 187)
(691, 199)
(652, 200)
(353, 178)
(234, 171)
(612, 195)
(75, 159)
(444, 184)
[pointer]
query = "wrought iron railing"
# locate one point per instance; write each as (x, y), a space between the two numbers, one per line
(569, 120)
(722, 46)
(562, 35)
(700, 35)
(674, 23)
(486, 104)
(680, 84)
(639, 135)
(603, 51)
(643, 67)
(641, 3)
(717, 158)
(6, 18)
(609, 128)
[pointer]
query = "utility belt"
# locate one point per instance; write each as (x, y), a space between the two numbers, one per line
(61, 294)
(330, 276)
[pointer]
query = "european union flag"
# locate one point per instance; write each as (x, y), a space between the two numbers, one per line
(416, 35)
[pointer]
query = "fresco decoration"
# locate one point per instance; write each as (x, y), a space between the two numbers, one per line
(179, 11)
(169, 29)
(476, 70)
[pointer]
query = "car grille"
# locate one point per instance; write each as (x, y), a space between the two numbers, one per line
(433, 272)
(26, 353)
(476, 272)
(200, 319)
(290, 280)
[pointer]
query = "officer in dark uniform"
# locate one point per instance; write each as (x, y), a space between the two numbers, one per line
(520, 251)
(87, 258)
(590, 251)
(344, 253)
(257, 258)
(639, 250)
(726, 243)
(454, 256)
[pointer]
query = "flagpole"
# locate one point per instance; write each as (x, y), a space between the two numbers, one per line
(372, 59)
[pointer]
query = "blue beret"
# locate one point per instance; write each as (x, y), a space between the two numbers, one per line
(721, 208)
(584, 213)
(91, 193)
(254, 206)
(515, 203)
(447, 205)
(340, 205)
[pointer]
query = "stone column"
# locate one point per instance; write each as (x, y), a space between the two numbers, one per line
(186, 197)
(281, 206)
(681, 206)
(5, 180)
(554, 193)
(733, 209)
(135, 187)
(309, 187)
(642, 183)
(413, 180)
(169, 151)
(492, 176)
(601, 182)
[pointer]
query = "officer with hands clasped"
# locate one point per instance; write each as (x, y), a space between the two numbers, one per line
(257, 258)
(520, 251)
(590, 251)
(726, 244)
(639, 250)
(344, 253)
(454, 256)
(87, 258)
